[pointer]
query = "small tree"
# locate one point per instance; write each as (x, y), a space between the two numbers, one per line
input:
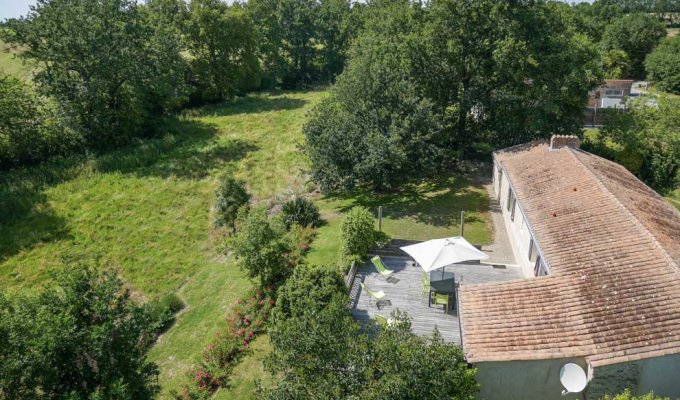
(230, 196)
(358, 235)
(309, 288)
(302, 211)
(82, 338)
(263, 247)
(663, 65)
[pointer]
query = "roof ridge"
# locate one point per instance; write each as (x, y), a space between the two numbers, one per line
(625, 209)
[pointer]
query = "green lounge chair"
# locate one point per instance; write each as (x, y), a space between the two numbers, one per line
(426, 286)
(442, 299)
(378, 296)
(381, 321)
(386, 273)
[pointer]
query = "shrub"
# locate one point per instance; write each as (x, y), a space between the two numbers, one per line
(263, 247)
(302, 211)
(230, 196)
(29, 129)
(663, 65)
(310, 288)
(357, 233)
(162, 312)
(627, 395)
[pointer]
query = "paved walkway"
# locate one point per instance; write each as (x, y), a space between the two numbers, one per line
(500, 250)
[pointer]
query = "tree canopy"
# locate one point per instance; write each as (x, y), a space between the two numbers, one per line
(663, 65)
(426, 84)
(83, 338)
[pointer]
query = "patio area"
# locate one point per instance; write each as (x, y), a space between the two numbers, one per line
(404, 292)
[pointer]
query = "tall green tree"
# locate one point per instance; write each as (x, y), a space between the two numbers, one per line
(663, 65)
(30, 129)
(636, 35)
(427, 83)
(649, 138)
(110, 71)
(223, 42)
(83, 338)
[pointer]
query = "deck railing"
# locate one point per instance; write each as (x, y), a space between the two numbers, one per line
(349, 279)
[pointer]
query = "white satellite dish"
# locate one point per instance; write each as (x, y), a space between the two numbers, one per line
(573, 379)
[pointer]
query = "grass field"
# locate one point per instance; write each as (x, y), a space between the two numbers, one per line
(144, 210)
(11, 65)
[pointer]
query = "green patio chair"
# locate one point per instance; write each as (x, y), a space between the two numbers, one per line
(442, 299)
(381, 321)
(378, 296)
(426, 286)
(386, 273)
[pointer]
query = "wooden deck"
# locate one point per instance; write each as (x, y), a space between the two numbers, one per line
(404, 293)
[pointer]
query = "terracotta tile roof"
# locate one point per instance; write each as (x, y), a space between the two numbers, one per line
(613, 249)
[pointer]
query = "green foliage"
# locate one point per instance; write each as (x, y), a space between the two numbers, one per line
(303, 41)
(636, 35)
(302, 211)
(82, 338)
(30, 130)
(230, 196)
(358, 234)
(616, 64)
(110, 71)
(162, 312)
(426, 83)
(663, 65)
(649, 136)
(320, 352)
(627, 395)
(308, 289)
(263, 247)
(222, 41)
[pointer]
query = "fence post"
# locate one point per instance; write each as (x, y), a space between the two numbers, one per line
(462, 223)
(379, 218)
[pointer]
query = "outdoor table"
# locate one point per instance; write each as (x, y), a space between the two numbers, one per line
(442, 282)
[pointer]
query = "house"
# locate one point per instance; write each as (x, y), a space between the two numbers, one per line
(600, 252)
(612, 95)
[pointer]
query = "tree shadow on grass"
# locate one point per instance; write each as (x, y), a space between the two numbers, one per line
(191, 150)
(434, 202)
(252, 104)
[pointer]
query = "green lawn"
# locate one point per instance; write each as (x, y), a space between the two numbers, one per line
(145, 210)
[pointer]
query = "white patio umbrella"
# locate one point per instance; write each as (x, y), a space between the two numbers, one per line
(438, 253)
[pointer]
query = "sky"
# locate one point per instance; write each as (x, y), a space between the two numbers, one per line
(17, 8)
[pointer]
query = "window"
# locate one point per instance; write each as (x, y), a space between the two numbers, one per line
(613, 93)
(500, 182)
(540, 268)
(511, 199)
(533, 251)
(514, 206)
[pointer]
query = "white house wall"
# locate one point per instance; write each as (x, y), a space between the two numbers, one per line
(523, 380)
(518, 231)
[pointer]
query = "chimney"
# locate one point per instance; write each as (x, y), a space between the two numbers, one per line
(559, 141)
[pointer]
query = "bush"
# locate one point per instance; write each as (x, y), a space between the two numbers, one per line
(29, 129)
(310, 288)
(627, 395)
(263, 247)
(357, 233)
(663, 65)
(302, 211)
(230, 196)
(162, 312)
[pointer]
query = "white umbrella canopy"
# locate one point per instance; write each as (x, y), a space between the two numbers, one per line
(438, 253)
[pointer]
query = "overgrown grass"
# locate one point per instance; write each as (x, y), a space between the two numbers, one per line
(145, 210)
(10, 64)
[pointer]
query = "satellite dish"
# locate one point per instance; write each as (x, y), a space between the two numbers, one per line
(573, 379)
